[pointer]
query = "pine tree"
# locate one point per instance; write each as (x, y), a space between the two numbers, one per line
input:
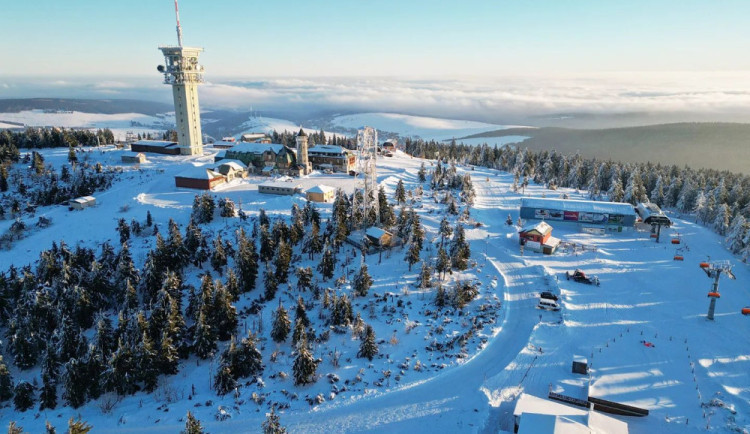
(267, 244)
(219, 256)
(362, 281)
(168, 356)
(124, 230)
(281, 324)
(272, 424)
(281, 261)
(412, 255)
(74, 383)
(192, 425)
(304, 278)
(721, 222)
(149, 219)
(300, 312)
(400, 192)
(421, 174)
(246, 360)
(305, 365)
(443, 263)
(459, 250)
(204, 341)
(327, 264)
(147, 363)
(271, 285)
(6, 382)
(299, 331)
(425, 276)
(48, 395)
(312, 243)
(224, 381)
(246, 261)
(23, 398)
(441, 298)
(368, 348)
(78, 426)
(738, 229)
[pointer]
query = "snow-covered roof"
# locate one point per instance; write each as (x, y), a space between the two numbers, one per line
(279, 184)
(376, 232)
(224, 143)
(532, 404)
(256, 148)
(133, 154)
(328, 149)
(155, 143)
(321, 189)
(234, 164)
(199, 173)
(542, 227)
(578, 205)
(83, 199)
(647, 210)
(547, 416)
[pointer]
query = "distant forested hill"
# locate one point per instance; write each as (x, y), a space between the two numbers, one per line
(723, 146)
(105, 106)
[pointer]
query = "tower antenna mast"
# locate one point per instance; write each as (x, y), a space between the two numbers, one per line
(179, 28)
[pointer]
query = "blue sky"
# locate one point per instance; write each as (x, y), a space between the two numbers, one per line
(409, 38)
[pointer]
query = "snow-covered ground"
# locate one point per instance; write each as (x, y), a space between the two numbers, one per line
(261, 124)
(119, 123)
(426, 128)
(644, 296)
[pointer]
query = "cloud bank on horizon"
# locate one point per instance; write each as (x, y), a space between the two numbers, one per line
(489, 99)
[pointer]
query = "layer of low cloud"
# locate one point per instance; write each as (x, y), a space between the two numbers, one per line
(488, 99)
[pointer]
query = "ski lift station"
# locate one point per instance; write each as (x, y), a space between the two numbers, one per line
(651, 214)
(612, 215)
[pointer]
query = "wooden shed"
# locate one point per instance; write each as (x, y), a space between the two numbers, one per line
(200, 178)
(379, 237)
(320, 193)
(539, 232)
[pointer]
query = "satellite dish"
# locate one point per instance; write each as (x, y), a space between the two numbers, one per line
(160, 68)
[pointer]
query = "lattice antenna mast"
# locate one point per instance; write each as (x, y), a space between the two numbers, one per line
(367, 177)
(179, 27)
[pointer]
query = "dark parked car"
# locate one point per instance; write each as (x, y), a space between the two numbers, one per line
(548, 295)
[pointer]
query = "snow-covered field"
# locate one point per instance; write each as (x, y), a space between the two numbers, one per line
(261, 124)
(426, 128)
(644, 296)
(119, 123)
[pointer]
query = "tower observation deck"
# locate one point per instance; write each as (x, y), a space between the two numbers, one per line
(183, 72)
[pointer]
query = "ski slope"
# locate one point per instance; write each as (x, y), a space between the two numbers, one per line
(644, 296)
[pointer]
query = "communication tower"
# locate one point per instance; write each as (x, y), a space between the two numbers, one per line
(184, 74)
(366, 173)
(714, 270)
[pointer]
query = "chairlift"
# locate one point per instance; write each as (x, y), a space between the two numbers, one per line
(746, 310)
(714, 295)
(704, 265)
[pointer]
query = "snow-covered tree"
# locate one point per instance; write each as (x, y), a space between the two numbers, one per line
(737, 233)
(305, 365)
(281, 324)
(362, 281)
(368, 348)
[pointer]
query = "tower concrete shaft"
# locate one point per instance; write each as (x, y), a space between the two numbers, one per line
(184, 74)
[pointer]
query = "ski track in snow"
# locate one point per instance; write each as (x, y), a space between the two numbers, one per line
(644, 295)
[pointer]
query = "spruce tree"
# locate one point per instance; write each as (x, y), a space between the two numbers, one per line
(421, 174)
(204, 341)
(362, 281)
(74, 383)
(247, 360)
(219, 256)
(272, 424)
(327, 264)
(23, 398)
(412, 255)
(281, 324)
(299, 331)
(270, 284)
(301, 312)
(305, 365)
(304, 278)
(400, 192)
(281, 261)
(443, 262)
(48, 393)
(246, 261)
(6, 382)
(368, 348)
(224, 381)
(425, 276)
(192, 425)
(441, 298)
